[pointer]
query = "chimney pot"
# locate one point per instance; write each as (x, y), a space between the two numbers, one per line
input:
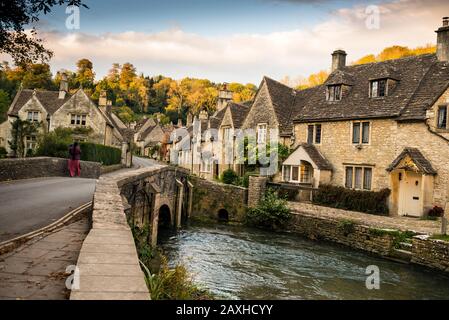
(443, 41)
(338, 60)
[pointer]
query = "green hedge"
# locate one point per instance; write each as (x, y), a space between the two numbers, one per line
(100, 153)
(362, 201)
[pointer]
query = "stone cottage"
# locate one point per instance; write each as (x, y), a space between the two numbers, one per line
(53, 109)
(376, 126)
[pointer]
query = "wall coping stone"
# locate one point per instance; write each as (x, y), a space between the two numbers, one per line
(109, 267)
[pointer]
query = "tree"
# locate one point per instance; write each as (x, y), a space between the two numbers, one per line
(242, 93)
(85, 75)
(15, 15)
(5, 102)
(366, 59)
(38, 76)
(19, 131)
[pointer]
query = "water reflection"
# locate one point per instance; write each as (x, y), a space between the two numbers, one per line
(240, 263)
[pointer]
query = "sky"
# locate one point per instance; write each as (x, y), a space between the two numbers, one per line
(235, 41)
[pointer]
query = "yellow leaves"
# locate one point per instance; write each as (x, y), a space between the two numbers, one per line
(396, 52)
(314, 80)
(242, 93)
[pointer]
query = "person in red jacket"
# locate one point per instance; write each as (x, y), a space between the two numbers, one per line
(74, 160)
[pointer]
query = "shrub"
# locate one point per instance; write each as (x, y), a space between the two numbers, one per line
(3, 153)
(346, 226)
(362, 201)
(436, 212)
(272, 212)
(229, 176)
(54, 144)
(100, 153)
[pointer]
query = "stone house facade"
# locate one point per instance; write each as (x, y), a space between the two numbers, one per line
(54, 109)
(376, 126)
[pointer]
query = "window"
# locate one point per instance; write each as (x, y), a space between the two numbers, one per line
(205, 165)
(295, 174)
(306, 174)
(314, 134)
(286, 173)
(310, 130)
(78, 120)
(262, 133)
(361, 132)
(378, 88)
(33, 116)
(442, 117)
(359, 178)
(334, 93)
(31, 142)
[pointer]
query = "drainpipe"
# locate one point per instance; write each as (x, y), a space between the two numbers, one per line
(435, 133)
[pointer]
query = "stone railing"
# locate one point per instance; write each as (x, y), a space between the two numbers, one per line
(29, 168)
(108, 263)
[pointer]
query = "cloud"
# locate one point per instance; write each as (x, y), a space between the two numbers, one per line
(247, 57)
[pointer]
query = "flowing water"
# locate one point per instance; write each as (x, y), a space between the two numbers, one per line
(241, 263)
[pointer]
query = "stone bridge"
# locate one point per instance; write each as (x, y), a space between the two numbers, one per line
(108, 264)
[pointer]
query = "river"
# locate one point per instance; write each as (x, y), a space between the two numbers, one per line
(239, 263)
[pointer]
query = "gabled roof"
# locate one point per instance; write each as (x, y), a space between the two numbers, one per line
(420, 80)
(282, 98)
(217, 118)
(49, 100)
(313, 155)
(418, 159)
(238, 113)
(340, 77)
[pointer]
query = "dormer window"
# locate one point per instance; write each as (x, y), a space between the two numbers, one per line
(334, 93)
(378, 88)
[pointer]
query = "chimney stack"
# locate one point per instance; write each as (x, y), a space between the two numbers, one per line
(103, 101)
(338, 60)
(179, 123)
(63, 86)
(443, 41)
(224, 96)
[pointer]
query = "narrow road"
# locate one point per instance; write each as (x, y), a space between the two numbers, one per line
(28, 205)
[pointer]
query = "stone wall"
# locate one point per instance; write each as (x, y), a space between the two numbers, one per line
(210, 197)
(343, 232)
(28, 168)
(431, 253)
(257, 188)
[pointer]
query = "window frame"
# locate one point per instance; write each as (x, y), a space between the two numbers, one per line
(440, 108)
(314, 132)
(78, 120)
(361, 124)
(265, 131)
(331, 93)
(34, 116)
(377, 82)
(363, 183)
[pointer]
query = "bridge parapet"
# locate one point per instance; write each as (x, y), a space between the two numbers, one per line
(108, 264)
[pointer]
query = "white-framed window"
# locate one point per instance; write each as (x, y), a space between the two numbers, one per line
(359, 177)
(334, 93)
(378, 88)
(361, 131)
(297, 174)
(33, 116)
(442, 117)
(78, 120)
(205, 166)
(262, 133)
(314, 134)
(30, 142)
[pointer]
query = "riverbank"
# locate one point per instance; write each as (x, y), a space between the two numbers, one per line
(404, 239)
